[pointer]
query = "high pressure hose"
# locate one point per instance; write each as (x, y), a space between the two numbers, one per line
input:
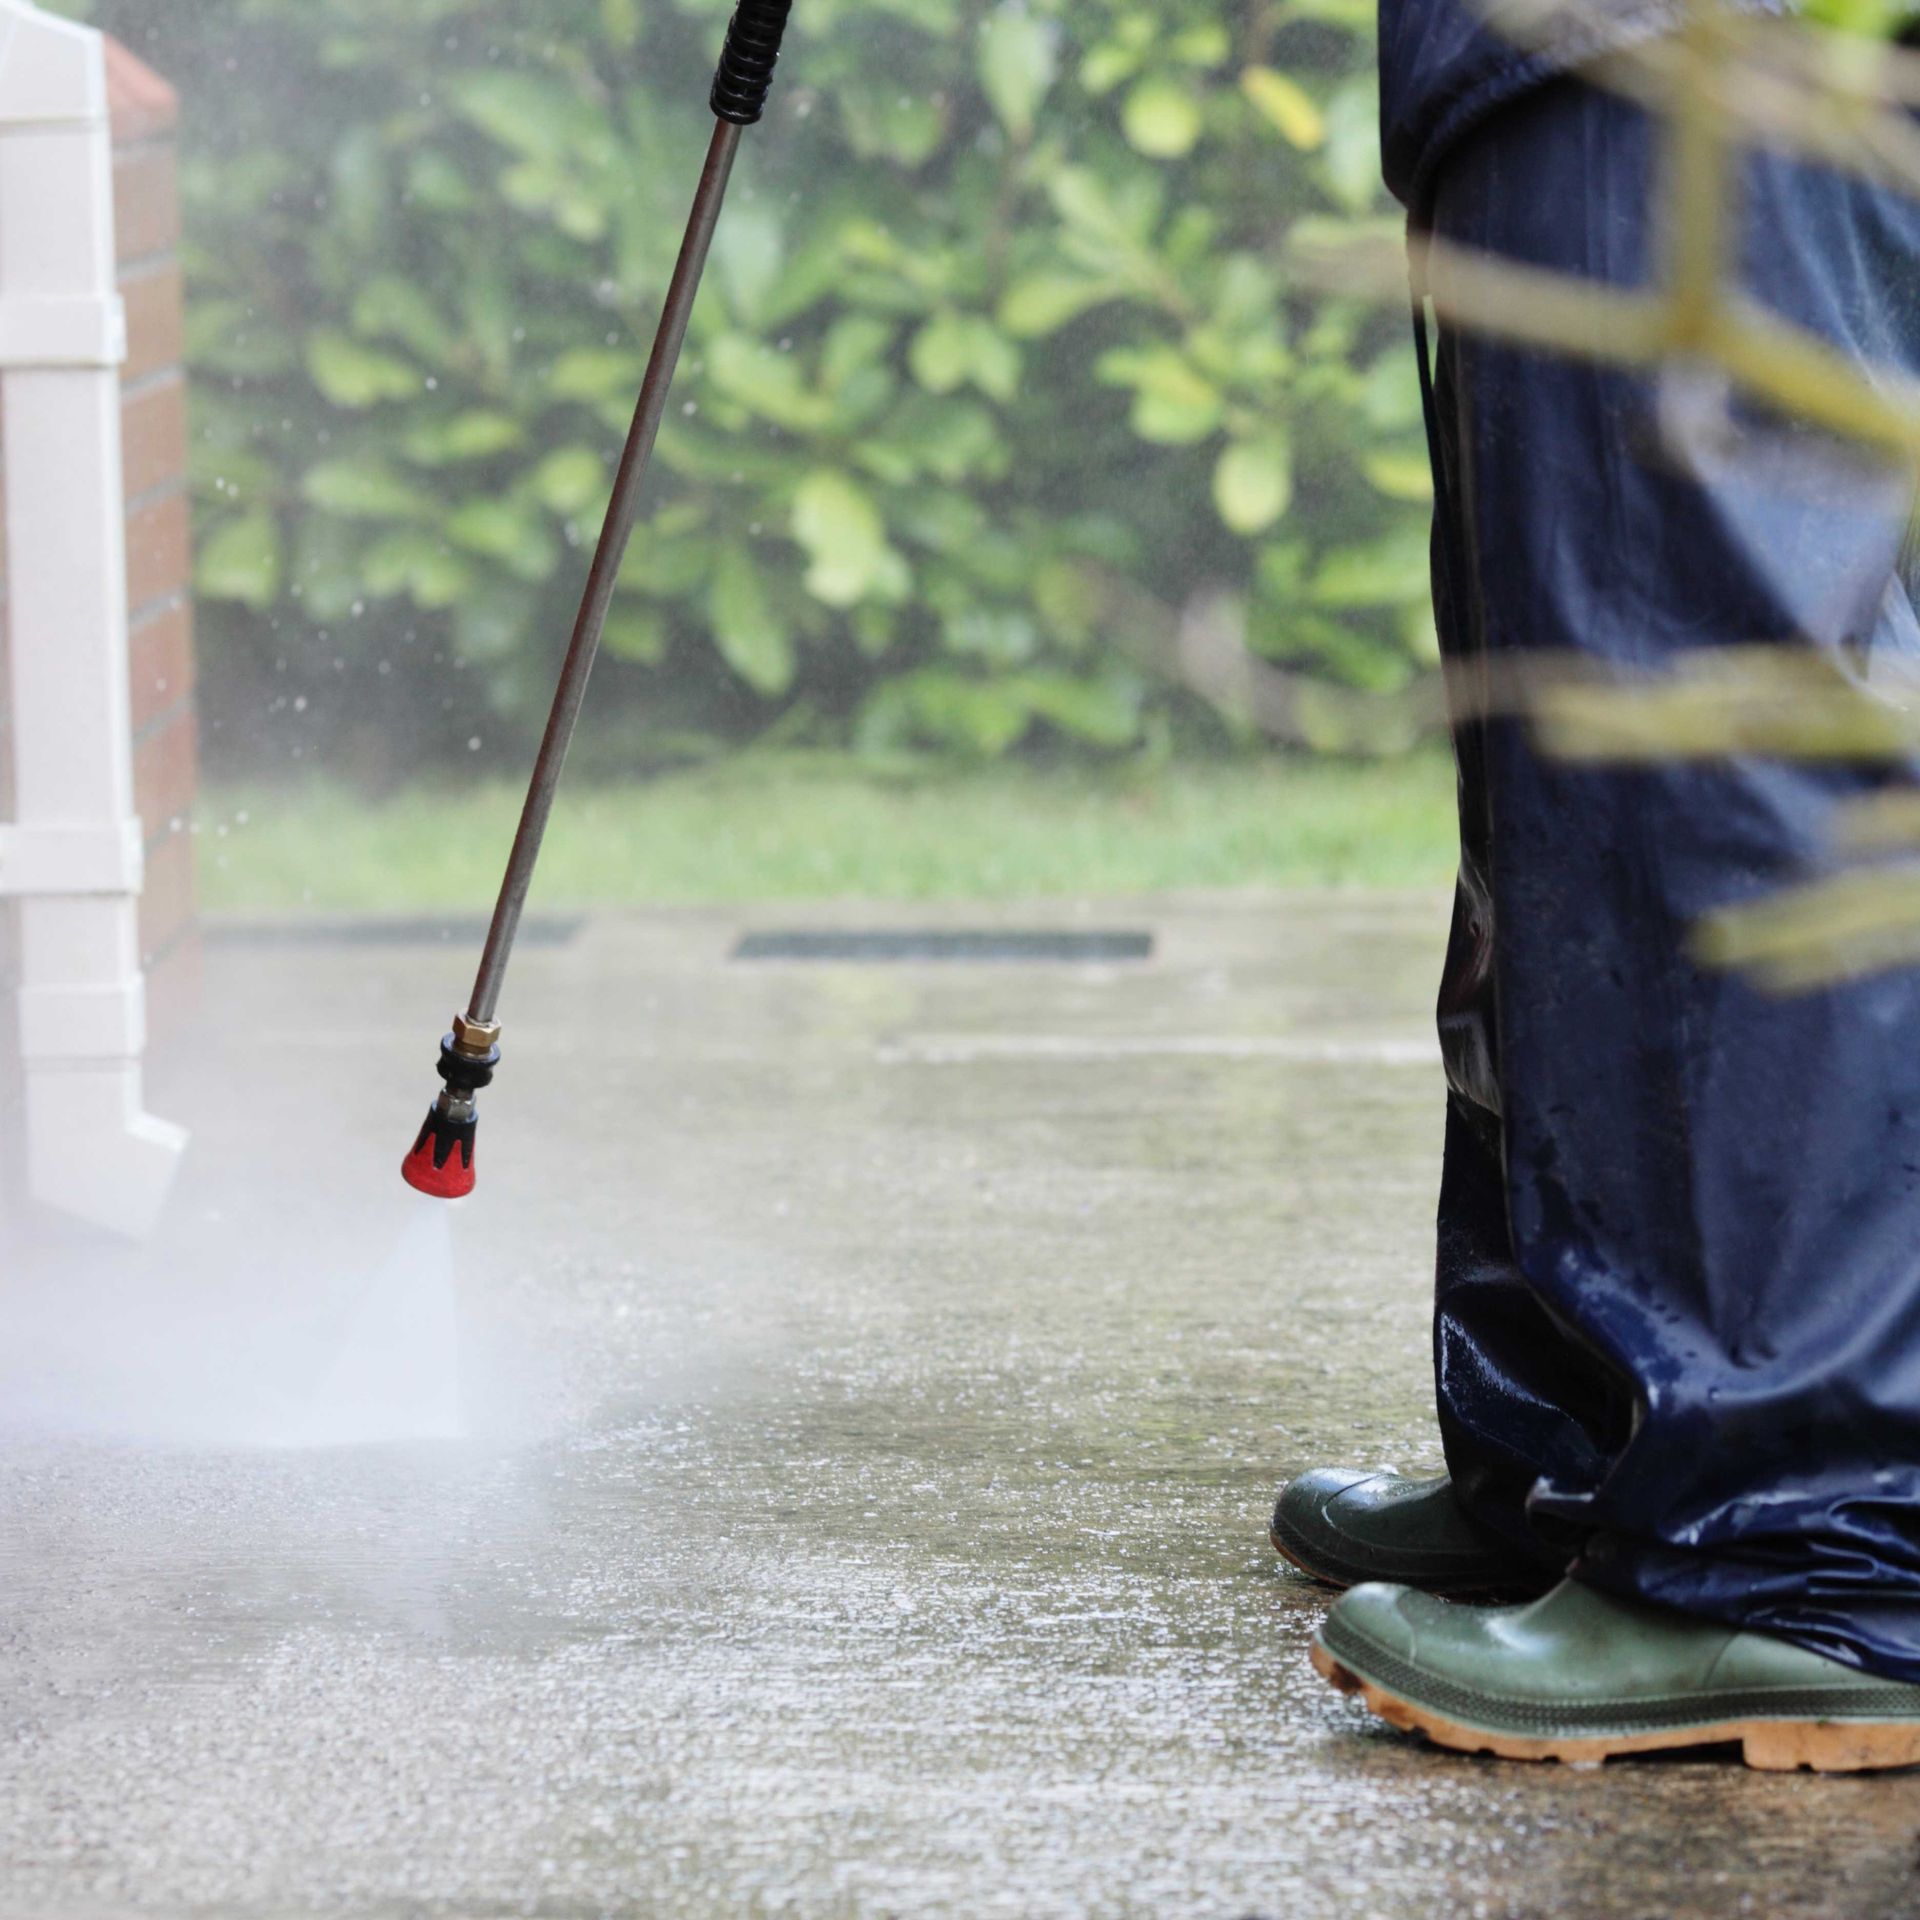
(440, 1162)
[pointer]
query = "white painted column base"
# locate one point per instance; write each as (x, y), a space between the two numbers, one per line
(93, 1150)
(71, 859)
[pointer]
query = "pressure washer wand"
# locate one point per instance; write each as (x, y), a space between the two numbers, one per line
(441, 1160)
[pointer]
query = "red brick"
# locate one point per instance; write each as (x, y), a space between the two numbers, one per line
(159, 551)
(160, 662)
(165, 771)
(153, 435)
(174, 983)
(154, 320)
(146, 200)
(168, 901)
(140, 104)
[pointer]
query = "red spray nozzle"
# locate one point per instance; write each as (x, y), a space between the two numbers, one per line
(441, 1163)
(441, 1160)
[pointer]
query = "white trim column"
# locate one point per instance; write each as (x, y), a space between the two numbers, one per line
(71, 856)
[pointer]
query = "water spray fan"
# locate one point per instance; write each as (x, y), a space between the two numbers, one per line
(441, 1160)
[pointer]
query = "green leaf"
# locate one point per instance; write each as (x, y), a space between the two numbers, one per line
(325, 572)
(362, 489)
(882, 122)
(637, 632)
(1173, 404)
(436, 184)
(996, 362)
(493, 625)
(875, 628)
(855, 344)
(837, 523)
(229, 337)
(767, 383)
(1390, 392)
(953, 349)
(954, 440)
(1286, 106)
(242, 561)
(357, 178)
(1865, 19)
(478, 434)
(748, 253)
(1357, 17)
(1107, 65)
(420, 565)
(752, 639)
(1206, 43)
(1253, 484)
(358, 377)
(1105, 712)
(943, 519)
(983, 718)
(1042, 303)
(508, 532)
(596, 373)
(230, 476)
(395, 309)
(1068, 601)
(1002, 636)
(1400, 476)
(1017, 68)
(669, 560)
(1388, 571)
(1352, 160)
(1420, 633)
(1161, 118)
(570, 480)
(1099, 216)
(620, 22)
(532, 113)
(941, 354)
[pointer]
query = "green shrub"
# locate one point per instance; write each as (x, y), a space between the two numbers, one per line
(998, 368)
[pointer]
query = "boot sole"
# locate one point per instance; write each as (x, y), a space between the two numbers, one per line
(1449, 1590)
(1772, 1746)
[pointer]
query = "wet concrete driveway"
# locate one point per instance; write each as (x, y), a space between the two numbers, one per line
(877, 1378)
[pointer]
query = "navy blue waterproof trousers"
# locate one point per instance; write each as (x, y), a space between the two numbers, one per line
(1677, 1335)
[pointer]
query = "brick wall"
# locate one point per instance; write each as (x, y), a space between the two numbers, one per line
(159, 552)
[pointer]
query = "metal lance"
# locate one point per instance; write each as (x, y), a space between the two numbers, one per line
(440, 1161)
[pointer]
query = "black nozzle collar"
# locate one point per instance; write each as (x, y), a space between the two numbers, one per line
(465, 1072)
(745, 74)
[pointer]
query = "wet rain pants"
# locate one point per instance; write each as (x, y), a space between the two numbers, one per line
(1677, 1330)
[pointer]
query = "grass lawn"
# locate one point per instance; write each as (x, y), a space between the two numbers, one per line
(753, 831)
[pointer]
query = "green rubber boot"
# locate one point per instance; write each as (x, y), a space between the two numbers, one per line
(1344, 1526)
(1580, 1676)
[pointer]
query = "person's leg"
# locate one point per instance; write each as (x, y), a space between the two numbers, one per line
(1713, 1196)
(1518, 1398)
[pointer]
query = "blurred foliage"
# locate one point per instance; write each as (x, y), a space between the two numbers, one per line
(996, 368)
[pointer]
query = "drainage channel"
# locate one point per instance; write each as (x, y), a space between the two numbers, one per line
(919, 946)
(422, 930)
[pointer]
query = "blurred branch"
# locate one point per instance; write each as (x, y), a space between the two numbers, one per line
(1786, 702)
(1820, 933)
(1719, 83)
(1717, 79)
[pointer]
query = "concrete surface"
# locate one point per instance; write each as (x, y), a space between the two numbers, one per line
(876, 1379)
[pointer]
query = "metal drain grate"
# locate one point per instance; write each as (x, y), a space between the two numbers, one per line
(549, 930)
(948, 946)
